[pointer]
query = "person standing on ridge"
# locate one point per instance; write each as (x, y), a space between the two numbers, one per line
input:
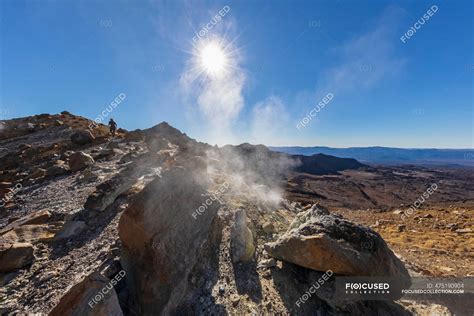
(112, 126)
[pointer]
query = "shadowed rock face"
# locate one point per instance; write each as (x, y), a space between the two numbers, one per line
(321, 241)
(161, 240)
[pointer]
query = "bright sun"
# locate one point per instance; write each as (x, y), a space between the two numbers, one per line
(213, 60)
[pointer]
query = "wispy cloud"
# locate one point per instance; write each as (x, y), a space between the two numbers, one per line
(269, 119)
(362, 61)
(369, 57)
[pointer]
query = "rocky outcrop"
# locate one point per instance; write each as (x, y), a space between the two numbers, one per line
(242, 241)
(59, 168)
(162, 240)
(15, 256)
(322, 241)
(180, 257)
(33, 233)
(106, 153)
(106, 193)
(134, 136)
(95, 295)
(30, 229)
(39, 217)
(79, 161)
(82, 137)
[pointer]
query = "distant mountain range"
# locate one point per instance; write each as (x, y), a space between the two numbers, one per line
(390, 156)
(265, 162)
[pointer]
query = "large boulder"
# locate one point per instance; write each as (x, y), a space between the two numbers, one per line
(95, 295)
(79, 161)
(322, 241)
(162, 239)
(82, 137)
(242, 244)
(15, 256)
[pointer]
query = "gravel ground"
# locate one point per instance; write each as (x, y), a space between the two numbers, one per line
(61, 264)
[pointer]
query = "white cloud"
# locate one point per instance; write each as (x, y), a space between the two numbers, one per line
(269, 120)
(221, 100)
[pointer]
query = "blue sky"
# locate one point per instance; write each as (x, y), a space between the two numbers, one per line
(286, 56)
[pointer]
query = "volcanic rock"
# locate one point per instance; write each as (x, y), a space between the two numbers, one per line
(38, 173)
(39, 217)
(59, 168)
(268, 228)
(70, 229)
(87, 298)
(82, 137)
(106, 153)
(162, 214)
(321, 241)
(33, 233)
(79, 161)
(242, 243)
(106, 193)
(267, 263)
(134, 136)
(15, 256)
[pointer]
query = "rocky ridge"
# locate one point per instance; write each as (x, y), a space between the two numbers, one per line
(162, 211)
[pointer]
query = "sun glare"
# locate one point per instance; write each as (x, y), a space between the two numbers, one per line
(213, 60)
